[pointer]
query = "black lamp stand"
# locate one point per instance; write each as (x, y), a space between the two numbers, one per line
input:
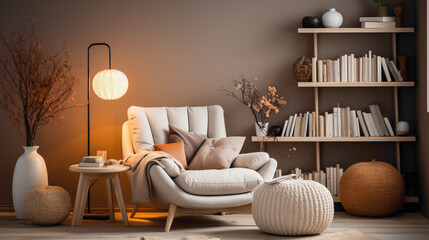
(90, 215)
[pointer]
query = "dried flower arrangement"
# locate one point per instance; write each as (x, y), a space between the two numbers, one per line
(35, 86)
(260, 105)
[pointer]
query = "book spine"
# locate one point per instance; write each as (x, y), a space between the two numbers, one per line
(369, 66)
(284, 128)
(399, 76)
(297, 125)
(328, 179)
(362, 123)
(302, 126)
(386, 120)
(361, 69)
(325, 71)
(365, 68)
(378, 69)
(381, 120)
(386, 70)
(329, 70)
(321, 128)
(305, 128)
(319, 70)
(292, 129)
(374, 69)
(391, 70)
(373, 126)
(349, 68)
(378, 125)
(337, 178)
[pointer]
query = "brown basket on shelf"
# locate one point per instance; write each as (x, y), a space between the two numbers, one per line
(302, 69)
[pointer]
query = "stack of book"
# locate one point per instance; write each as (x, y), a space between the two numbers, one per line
(342, 122)
(330, 179)
(92, 161)
(348, 68)
(377, 22)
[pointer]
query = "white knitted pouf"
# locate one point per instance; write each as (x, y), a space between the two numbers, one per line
(288, 206)
(48, 205)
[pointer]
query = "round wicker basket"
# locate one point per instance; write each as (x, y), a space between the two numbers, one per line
(372, 189)
(302, 69)
(287, 206)
(48, 205)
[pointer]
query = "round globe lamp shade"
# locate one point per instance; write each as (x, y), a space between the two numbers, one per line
(110, 84)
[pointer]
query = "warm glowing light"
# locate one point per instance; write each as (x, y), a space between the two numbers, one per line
(110, 84)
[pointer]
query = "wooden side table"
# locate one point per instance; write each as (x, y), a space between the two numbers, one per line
(111, 175)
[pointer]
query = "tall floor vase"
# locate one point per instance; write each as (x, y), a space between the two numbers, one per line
(30, 172)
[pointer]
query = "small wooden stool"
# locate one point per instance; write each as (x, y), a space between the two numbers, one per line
(111, 175)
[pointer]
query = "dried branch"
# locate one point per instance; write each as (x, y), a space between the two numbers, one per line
(35, 86)
(260, 105)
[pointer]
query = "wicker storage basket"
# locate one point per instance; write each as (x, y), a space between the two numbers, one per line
(288, 206)
(48, 205)
(372, 189)
(302, 69)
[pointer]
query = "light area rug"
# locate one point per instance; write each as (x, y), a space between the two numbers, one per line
(196, 237)
(352, 234)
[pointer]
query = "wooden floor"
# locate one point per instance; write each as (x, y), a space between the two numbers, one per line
(408, 226)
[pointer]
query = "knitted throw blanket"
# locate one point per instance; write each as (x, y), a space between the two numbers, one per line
(140, 178)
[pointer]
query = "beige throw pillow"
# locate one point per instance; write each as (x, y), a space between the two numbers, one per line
(217, 153)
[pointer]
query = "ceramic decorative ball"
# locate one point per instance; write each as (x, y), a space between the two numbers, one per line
(402, 128)
(372, 189)
(48, 205)
(311, 22)
(332, 19)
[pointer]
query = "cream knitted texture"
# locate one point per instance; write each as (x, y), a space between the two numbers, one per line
(293, 207)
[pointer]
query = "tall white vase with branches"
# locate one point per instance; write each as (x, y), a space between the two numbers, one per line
(35, 87)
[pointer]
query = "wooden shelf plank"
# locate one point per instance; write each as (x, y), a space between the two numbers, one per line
(407, 199)
(355, 30)
(355, 84)
(335, 139)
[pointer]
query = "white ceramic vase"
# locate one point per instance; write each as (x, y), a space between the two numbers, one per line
(260, 132)
(332, 19)
(30, 172)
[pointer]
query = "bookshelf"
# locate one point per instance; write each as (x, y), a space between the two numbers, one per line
(334, 139)
(355, 84)
(316, 85)
(407, 199)
(355, 30)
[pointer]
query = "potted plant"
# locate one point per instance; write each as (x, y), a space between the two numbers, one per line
(382, 10)
(261, 106)
(35, 88)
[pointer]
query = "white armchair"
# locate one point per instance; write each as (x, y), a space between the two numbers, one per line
(194, 191)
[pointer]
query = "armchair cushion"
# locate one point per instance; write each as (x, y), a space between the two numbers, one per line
(251, 160)
(218, 182)
(192, 141)
(217, 153)
(176, 150)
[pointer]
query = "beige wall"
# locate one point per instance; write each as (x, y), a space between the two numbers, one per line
(178, 53)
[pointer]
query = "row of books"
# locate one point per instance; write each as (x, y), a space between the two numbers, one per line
(347, 68)
(377, 22)
(330, 179)
(342, 122)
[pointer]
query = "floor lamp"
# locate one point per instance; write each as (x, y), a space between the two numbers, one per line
(108, 84)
